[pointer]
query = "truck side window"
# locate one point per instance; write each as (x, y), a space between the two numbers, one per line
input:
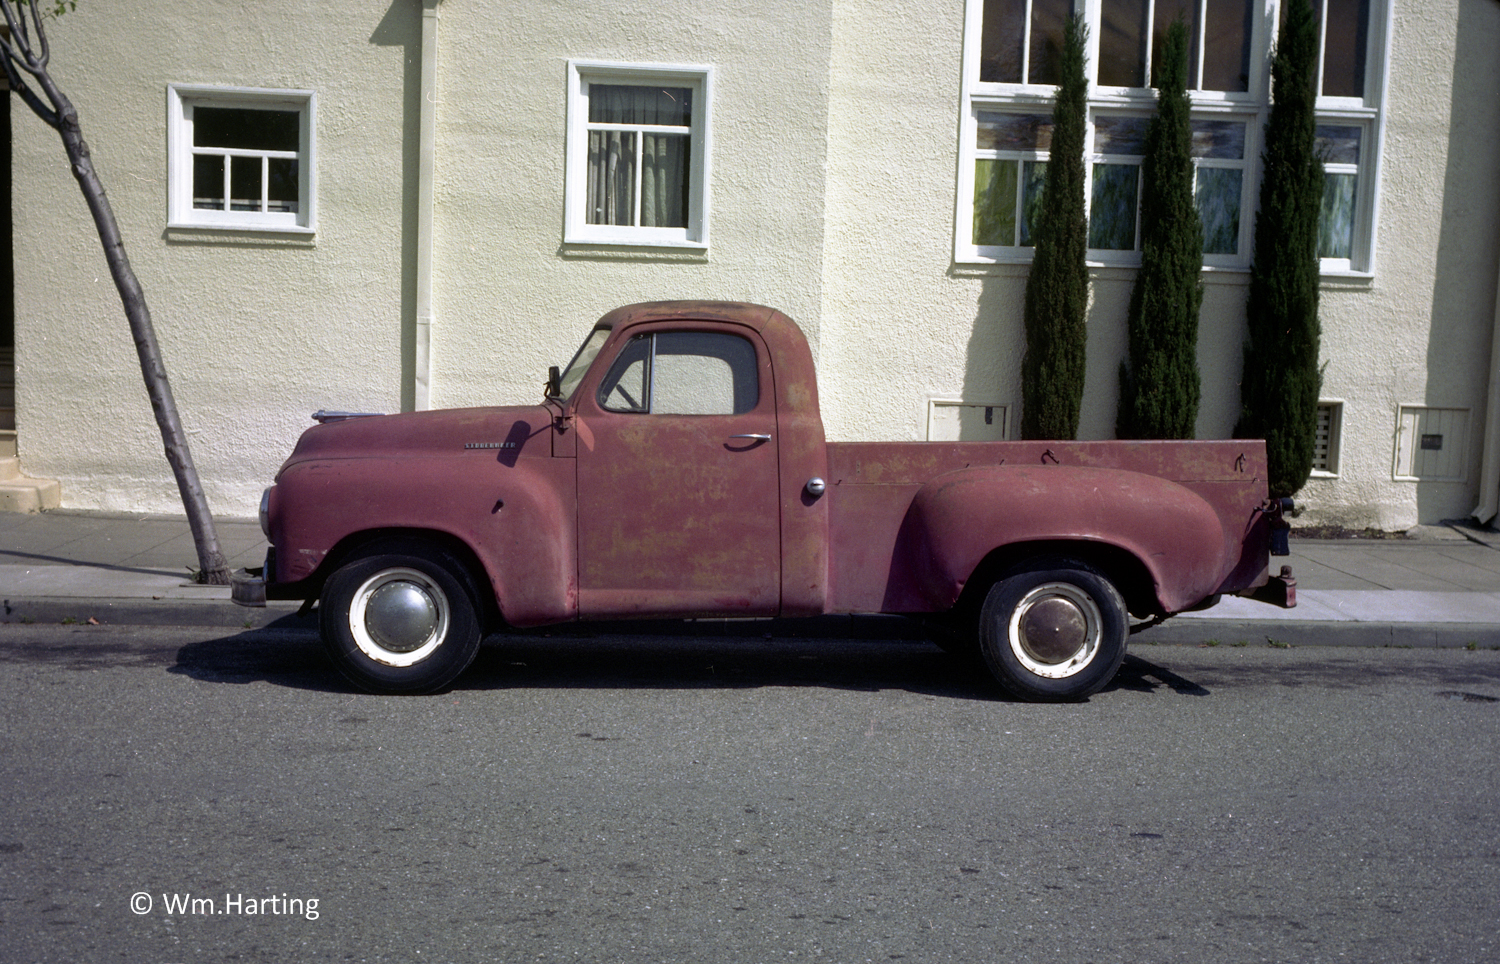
(683, 373)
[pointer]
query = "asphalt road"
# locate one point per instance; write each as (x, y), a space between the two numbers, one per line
(741, 800)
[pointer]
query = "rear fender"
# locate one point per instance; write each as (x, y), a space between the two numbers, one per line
(961, 522)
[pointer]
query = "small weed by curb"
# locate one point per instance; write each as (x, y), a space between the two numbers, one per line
(1277, 644)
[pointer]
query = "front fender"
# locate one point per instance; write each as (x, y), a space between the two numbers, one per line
(518, 520)
(960, 518)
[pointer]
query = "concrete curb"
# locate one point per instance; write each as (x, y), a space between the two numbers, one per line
(208, 613)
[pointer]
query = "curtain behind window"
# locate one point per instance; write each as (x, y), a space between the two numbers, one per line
(662, 156)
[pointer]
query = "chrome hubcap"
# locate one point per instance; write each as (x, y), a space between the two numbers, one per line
(1055, 629)
(399, 617)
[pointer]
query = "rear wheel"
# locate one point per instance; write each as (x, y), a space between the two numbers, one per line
(402, 620)
(1053, 633)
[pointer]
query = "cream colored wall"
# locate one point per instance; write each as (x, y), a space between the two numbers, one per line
(902, 322)
(257, 333)
(1419, 333)
(511, 298)
(834, 160)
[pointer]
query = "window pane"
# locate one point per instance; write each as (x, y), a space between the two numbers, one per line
(1218, 199)
(627, 104)
(1121, 135)
(664, 181)
(246, 129)
(625, 388)
(1047, 19)
(703, 373)
(244, 183)
(1336, 225)
(995, 201)
(1224, 140)
(1122, 43)
(1112, 213)
(1226, 45)
(208, 182)
(1344, 48)
(1003, 36)
(283, 186)
(1014, 132)
(1035, 175)
(1166, 12)
(1338, 144)
(611, 198)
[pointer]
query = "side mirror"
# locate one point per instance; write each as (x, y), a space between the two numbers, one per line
(554, 382)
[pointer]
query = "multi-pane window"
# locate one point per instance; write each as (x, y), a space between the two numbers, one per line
(1009, 169)
(1012, 67)
(1022, 41)
(1219, 156)
(1339, 146)
(1010, 166)
(1115, 182)
(637, 155)
(640, 150)
(240, 158)
(1219, 41)
(245, 159)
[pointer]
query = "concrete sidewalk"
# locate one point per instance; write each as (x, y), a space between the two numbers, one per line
(1440, 586)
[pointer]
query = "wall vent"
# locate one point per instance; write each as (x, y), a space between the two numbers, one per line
(1326, 441)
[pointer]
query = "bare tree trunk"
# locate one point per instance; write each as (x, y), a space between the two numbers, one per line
(30, 55)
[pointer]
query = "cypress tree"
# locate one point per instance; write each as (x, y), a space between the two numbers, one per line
(1057, 288)
(1281, 379)
(1159, 387)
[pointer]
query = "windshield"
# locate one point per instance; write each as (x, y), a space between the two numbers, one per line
(581, 361)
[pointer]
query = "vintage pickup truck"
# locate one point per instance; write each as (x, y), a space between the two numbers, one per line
(677, 468)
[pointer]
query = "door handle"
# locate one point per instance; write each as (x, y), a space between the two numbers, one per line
(754, 435)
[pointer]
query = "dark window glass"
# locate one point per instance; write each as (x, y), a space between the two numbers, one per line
(208, 182)
(1344, 48)
(243, 128)
(1122, 43)
(1002, 38)
(1226, 43)
(629, 104)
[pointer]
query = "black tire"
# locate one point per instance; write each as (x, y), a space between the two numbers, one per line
(1055, 633)
(402, 619)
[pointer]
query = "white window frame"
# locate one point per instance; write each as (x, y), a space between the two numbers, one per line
(1252, 106)
(1367, 113)
(577, 230)
(182, 99)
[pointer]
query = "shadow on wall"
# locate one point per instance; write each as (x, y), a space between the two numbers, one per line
(992, 370)
(402, 27)
(997, 342)
(1463, 293)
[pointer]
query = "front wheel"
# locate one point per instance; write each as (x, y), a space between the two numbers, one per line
(1053, 634)
(403, 621)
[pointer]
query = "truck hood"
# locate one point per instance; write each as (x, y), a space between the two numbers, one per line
(506, 433)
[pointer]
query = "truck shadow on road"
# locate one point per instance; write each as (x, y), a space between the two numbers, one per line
(580, 659)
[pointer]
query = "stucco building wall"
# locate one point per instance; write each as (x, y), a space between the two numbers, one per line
(833, 195)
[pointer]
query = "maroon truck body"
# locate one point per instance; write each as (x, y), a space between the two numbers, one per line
(597, 504)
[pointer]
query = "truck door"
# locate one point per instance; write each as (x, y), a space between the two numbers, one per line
(678, 510)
